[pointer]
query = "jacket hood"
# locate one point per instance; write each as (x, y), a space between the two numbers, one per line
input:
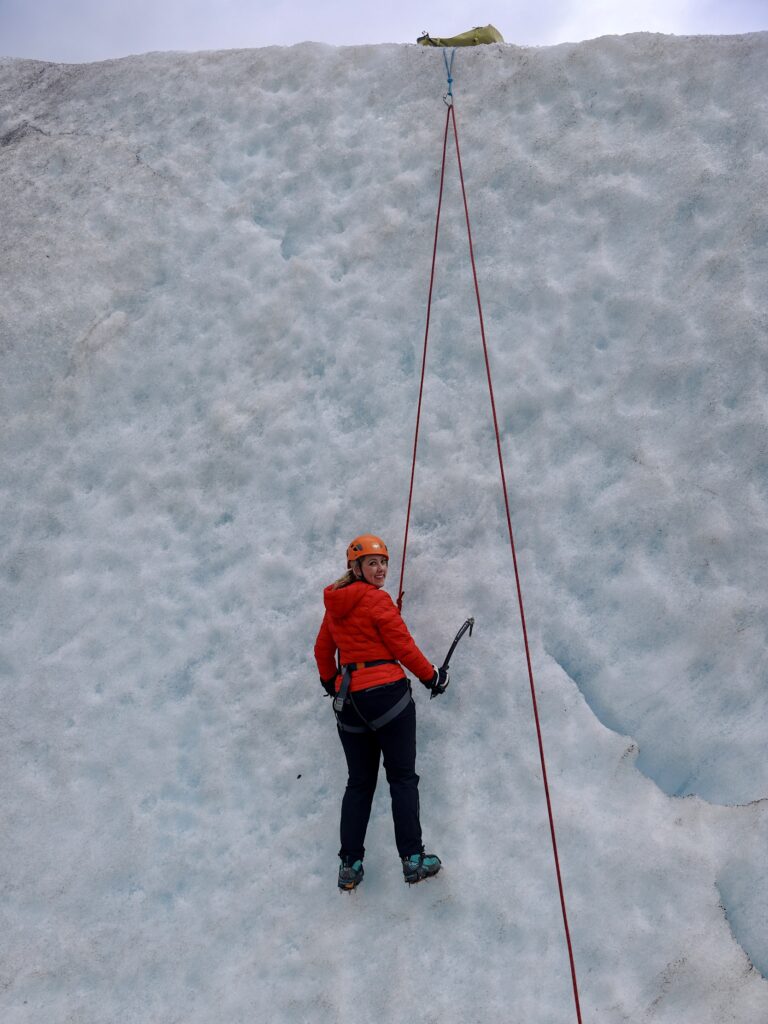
(341, 603)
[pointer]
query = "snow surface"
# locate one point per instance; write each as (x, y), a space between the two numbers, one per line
(214, 276)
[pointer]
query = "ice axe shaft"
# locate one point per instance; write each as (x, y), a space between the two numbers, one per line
(468, 625)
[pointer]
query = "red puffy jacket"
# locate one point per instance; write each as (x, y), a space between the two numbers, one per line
(363, 624)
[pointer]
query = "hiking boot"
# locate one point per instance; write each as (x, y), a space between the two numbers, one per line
(350, 875)
(419, 866)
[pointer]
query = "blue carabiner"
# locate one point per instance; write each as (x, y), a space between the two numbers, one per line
(448, 70)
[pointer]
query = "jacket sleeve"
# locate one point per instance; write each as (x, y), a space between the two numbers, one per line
(394, 633)
(325, 651)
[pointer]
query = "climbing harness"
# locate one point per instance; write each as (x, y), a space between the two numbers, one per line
(344, 696)
(450, 120)
(346, 678)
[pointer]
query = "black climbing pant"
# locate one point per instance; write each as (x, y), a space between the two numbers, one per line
(396, 741)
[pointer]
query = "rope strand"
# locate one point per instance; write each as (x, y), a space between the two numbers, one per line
(550, 812)
(451, 116)
(423, 367)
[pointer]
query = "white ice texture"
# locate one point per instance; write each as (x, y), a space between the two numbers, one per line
(214, 281)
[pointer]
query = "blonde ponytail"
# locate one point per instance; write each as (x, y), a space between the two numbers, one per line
(345, 580)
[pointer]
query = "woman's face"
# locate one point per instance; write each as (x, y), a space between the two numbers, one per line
(374, 569)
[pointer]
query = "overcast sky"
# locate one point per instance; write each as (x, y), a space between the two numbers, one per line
(87, 30)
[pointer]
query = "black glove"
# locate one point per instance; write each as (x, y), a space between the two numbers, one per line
(329, 685)
(437, 682)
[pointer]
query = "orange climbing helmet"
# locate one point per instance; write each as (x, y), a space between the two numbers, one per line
(366, 544)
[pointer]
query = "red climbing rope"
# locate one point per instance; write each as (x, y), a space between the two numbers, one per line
(423, 368)
(451, 117)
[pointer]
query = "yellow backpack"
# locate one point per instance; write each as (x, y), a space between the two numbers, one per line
(475, 37)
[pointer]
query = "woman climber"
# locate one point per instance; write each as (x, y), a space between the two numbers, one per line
(374, 708)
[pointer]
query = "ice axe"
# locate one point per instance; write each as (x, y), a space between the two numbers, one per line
(468, 625)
